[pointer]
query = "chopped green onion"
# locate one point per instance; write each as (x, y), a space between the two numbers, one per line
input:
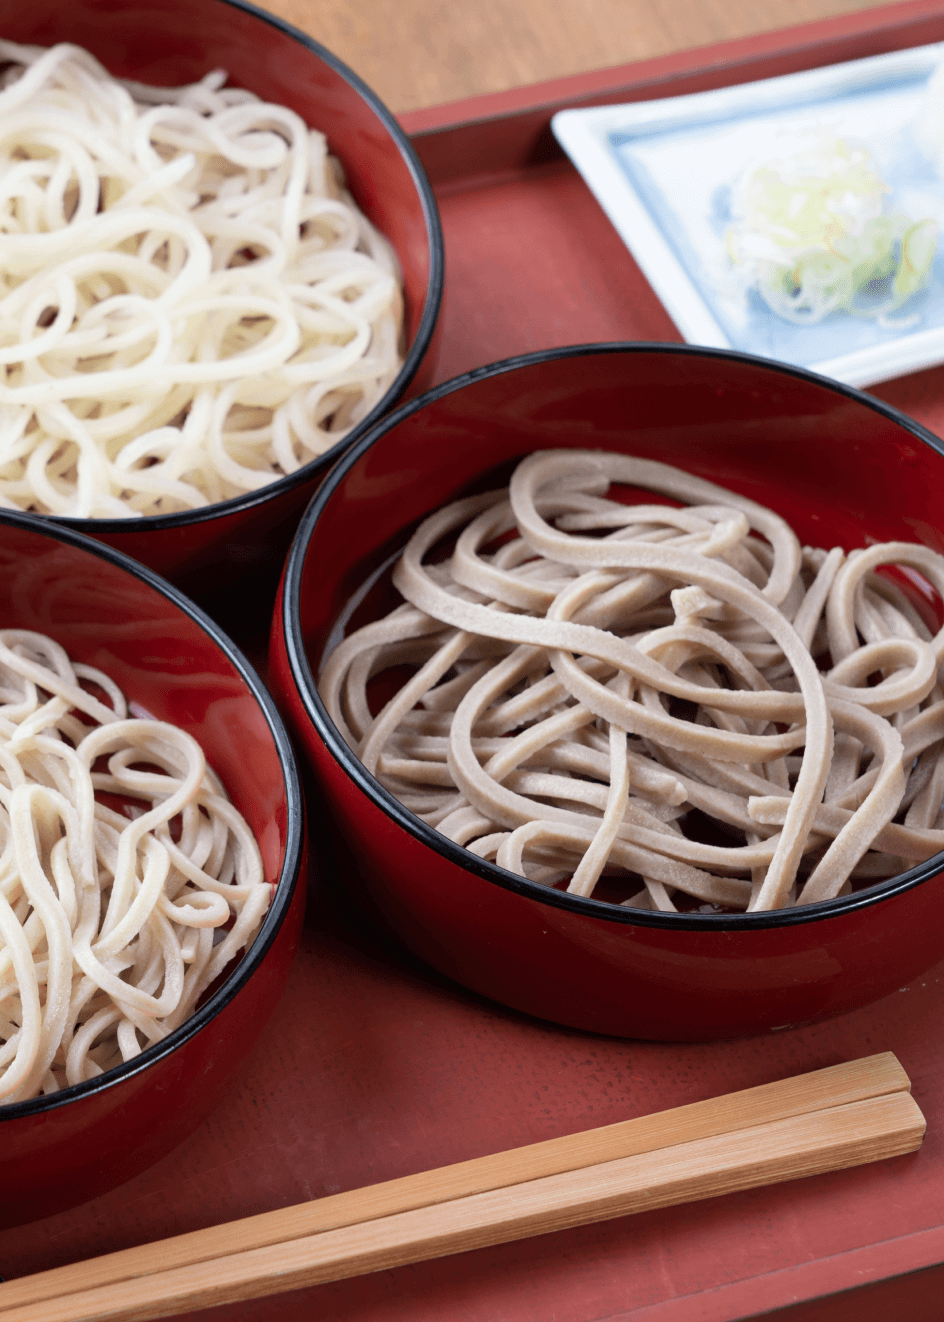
(812, 235)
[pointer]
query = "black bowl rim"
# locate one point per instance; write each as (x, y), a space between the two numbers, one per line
(327, 731)
(424, 332)
(294, 835)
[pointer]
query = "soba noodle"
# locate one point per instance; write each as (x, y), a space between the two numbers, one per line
(128, 881)
(681, 708)
(191, 305)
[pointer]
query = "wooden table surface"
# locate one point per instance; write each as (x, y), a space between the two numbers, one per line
(417, 53)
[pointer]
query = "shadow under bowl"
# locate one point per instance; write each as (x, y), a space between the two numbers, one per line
(106, 611)
(172, 42)
(842, 468)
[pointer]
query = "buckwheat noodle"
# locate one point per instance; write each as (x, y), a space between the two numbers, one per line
(128, 881)
(684, 701)
(191, 305)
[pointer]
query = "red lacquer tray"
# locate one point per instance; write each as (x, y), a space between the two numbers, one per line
(375, 1067)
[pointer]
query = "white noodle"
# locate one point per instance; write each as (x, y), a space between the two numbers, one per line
(107, 917)
(191, 305)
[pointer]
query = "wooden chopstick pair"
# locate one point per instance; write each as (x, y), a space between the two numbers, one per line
(832, 1118)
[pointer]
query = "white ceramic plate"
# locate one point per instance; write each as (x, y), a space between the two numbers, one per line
(663, 172)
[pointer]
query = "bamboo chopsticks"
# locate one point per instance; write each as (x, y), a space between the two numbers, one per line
(833, 1118)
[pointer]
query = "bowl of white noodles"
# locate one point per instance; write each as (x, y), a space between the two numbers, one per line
(221, 263)
(151, 842)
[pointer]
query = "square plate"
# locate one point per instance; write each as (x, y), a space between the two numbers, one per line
(663, 172)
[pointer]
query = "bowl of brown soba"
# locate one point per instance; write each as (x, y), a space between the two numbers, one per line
(222, 263)
(618, 666)
(152, 842)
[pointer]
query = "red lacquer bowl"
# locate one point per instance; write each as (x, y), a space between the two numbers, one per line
(841, 467)
(170, 42)
(109, 612)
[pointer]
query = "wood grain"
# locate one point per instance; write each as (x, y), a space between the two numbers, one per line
(825, 1140)
(837, 1085)
(417, 53)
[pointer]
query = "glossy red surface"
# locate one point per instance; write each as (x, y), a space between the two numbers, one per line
(841, 468)
(64, 1149)
(169, 42)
